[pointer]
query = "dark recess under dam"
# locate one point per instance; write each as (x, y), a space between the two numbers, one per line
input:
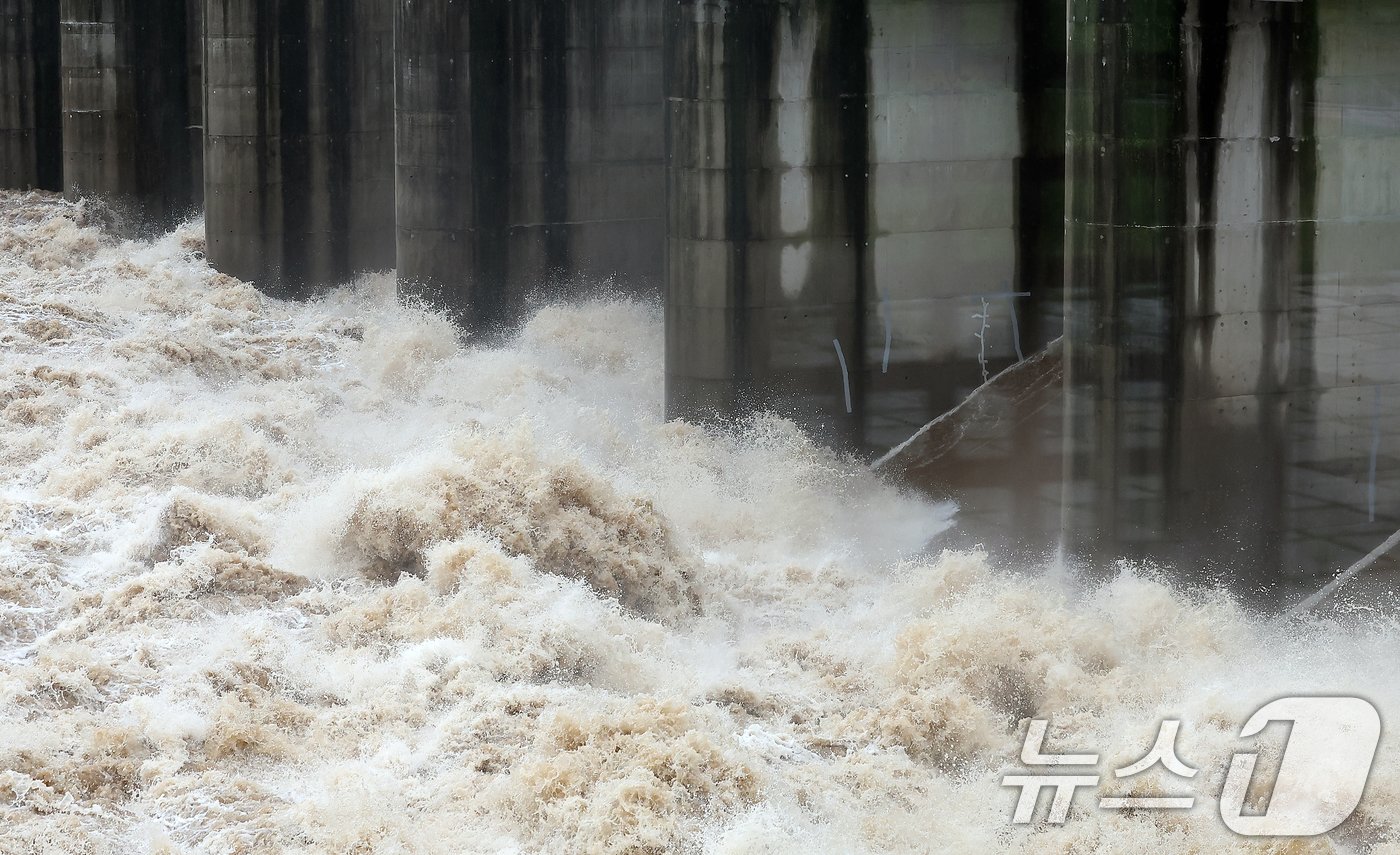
(856, 214)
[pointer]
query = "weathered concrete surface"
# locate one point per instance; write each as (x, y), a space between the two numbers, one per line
(31, 118)
(1014, 395)
(125, 108)
(194, 123)
(1232, 337)
(299, 140)
(530, 148)
(744, 329)
(840, 173)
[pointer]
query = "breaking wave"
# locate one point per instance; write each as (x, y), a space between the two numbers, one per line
(325, 577)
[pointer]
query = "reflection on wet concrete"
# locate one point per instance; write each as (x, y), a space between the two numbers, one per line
(1188, 152)
(1233, 303)
(841, 173)
(1000, 454)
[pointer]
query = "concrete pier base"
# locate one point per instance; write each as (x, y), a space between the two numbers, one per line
(125, 119)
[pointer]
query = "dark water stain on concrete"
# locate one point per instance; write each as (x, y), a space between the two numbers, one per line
(341, 63)
(840, 134)
(490, 111)
(48, 95)
(553, 26)
(285, 23)
(750, 52)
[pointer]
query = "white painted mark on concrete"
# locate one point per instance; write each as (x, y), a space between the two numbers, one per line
(845, 373)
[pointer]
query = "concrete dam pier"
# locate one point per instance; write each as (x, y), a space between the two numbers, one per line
(843, 232)
(857, 213)
(299, 140)
(31, 113)
(1234, 279)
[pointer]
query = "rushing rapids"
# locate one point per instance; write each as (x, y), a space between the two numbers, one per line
(325, 577)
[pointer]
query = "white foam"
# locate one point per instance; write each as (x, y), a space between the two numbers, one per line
(610, 634)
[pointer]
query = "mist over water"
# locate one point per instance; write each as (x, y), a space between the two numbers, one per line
(325, 578)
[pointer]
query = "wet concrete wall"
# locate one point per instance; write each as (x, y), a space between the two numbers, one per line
(1344, 478)
(530, 148)
(947, 138)
(299, 140)
(31, 118)
(125, 108)
(1188, 146)
(842, 190)
(1225, 261)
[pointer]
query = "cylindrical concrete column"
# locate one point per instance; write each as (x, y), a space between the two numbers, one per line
(31, 116)
(299, 140)
(125, 113)
(1189, 268)
(530, 148)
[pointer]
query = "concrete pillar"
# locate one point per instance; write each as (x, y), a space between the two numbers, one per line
(299, 140)
(31, 134)
(1040, 204)
(947, 124)
(1346, 477)
(530, 147)
(843, 199)
(125, 116)
(1189, 265)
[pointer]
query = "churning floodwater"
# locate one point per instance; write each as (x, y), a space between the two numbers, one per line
(327, 578)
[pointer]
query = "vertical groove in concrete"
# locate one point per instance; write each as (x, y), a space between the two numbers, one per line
(31, 147)
(125, 115)
(742, 332)
(840, 131)
(299, 189)
(529, 149)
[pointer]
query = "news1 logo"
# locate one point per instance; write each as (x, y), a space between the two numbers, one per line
(1321, 778)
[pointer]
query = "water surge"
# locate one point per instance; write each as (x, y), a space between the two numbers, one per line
(329, 578)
